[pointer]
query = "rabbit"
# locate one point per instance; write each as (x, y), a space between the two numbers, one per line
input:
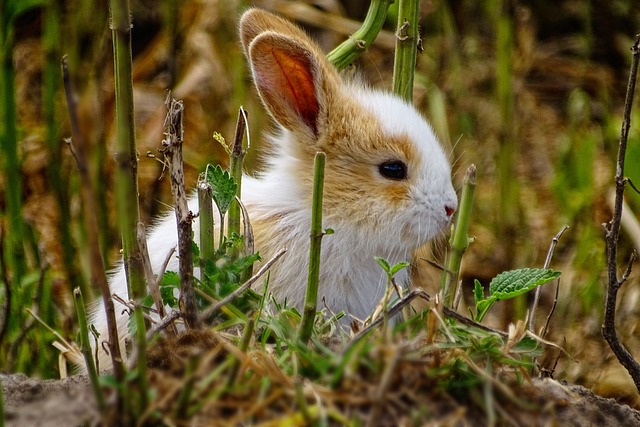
(387, 188)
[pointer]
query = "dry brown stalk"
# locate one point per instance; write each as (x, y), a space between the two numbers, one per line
(172, 149)
(612, 232)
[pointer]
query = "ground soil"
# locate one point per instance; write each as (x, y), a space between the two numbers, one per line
(69, 402)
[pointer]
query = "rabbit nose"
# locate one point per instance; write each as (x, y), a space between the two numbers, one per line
(449, 210)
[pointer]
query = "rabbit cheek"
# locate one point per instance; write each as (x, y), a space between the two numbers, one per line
(396, 194)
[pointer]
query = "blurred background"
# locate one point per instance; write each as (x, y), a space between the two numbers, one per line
(532, 92)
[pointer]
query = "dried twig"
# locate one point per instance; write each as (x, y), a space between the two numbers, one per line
(612, 231)
(172, 149)
(547, 262)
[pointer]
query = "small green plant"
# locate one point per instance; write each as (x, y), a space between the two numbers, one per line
(221, 270)
(509, 284)
(223, 191)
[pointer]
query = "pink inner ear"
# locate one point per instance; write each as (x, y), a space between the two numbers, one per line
(288, 78)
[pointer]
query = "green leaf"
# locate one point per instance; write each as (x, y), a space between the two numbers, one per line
(399, 266)
(170, 278)
(383, 263)
(478, 291)
(147, 301)
(168, 297)
(223, 187)
(482, 308)
(512, 283)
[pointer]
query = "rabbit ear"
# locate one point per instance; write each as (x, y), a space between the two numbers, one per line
(291, 80)
(257, 21)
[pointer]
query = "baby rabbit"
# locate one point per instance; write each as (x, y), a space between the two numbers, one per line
(387, 187)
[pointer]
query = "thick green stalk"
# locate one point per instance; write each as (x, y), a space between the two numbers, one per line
(407, 37)
(85, 347)
(205, 202)
(10, 162)
(460, 238)
(236, 157)
(347, 52)
(506, 158)
(57, 180)
(127, 176)
(311, 298)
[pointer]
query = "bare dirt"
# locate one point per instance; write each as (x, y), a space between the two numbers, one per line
(70, 402)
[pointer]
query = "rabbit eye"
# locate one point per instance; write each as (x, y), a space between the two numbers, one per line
(394, 169)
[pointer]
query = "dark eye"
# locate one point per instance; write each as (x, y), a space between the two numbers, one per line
(393, 169)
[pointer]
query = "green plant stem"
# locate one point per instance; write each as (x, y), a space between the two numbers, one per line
(507, 155)
(236, 157)
(347, 52)
(57, 179)
(16, 261)
(127, 177)
(85, 348)
(311, 298)
(506, 158)
(207, 226)
(407, 37)
(247, 334)
(182, 406)
(460, 238)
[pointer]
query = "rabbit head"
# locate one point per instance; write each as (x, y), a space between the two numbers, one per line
(387, 179)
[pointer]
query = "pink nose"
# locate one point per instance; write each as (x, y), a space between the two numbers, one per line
(449, 210)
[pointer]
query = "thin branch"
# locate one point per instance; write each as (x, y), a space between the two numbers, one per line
(553, 308)
(164, 323)
(612, 231)
(632, 185)
(547, 263)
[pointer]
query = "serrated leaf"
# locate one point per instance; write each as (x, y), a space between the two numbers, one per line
(399, 266)
(512, 283)
(168, 297)
(478, 291)
(147, 301)
(383, 263)
(170, 278)
(223, 187)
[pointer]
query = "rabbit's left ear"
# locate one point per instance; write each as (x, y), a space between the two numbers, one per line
(291, 80)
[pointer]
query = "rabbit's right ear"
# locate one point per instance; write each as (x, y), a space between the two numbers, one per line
(289, 80)
(294, 79)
